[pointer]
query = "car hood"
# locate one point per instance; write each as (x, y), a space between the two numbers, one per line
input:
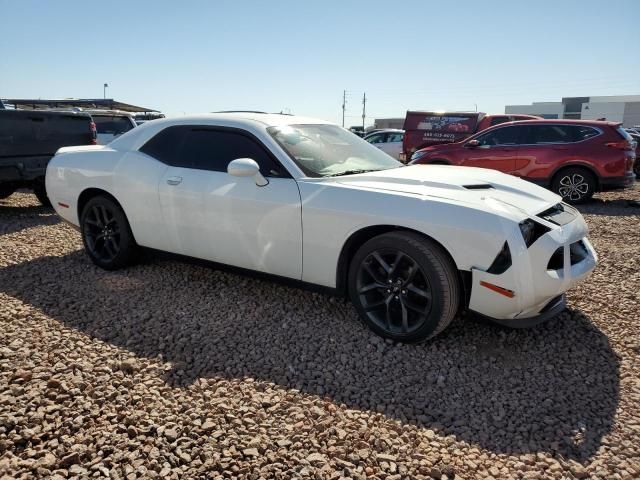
(480, 187)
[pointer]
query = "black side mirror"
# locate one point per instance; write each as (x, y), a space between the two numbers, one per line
(472, 144)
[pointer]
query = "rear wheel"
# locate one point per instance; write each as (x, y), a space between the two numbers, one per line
(106, 234)
(574, 184)
(40, 192)
(404, 286)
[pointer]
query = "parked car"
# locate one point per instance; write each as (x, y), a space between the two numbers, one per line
(28, 140)
(636, 165)
(309, 201)
(144, 117)
(358, 130)
(388, 140)
(424, 129)
(111, 124)
(574, 158)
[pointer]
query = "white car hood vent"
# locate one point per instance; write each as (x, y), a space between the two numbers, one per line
(559, 214)
(478, 186)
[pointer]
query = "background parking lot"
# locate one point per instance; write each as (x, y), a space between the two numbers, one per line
(171, 370)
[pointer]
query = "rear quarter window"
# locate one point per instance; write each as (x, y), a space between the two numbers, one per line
(165, 145)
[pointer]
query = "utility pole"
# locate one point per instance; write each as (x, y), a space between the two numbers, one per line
(104, 90)
(364, 108)
(344, 105)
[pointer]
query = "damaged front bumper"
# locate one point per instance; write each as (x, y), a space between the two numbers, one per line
(532, 289)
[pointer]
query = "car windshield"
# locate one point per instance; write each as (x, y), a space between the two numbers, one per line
(328, 150)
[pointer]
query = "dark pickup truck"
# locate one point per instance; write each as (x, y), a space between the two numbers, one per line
(28, 140)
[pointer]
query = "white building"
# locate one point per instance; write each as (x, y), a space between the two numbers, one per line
(614, 108)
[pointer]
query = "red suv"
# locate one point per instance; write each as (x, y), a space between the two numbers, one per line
(574, 158)
(423, 129)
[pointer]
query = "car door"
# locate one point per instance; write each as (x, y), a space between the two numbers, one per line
(215, 216)
(377, 139)
(392, 144)
(543, 145)
(496, 149)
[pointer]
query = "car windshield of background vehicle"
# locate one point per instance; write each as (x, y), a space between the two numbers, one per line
(328, 150)
(112, 124)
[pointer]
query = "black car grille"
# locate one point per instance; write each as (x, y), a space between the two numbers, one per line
(577, 252)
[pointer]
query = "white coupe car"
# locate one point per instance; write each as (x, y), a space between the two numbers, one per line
(307, 200)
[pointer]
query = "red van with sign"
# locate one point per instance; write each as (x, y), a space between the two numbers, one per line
(424, 129)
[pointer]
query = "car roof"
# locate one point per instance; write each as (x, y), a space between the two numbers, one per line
(250, 121)
(109, 113)
(384, 130)
(51, 113)
(266, 119)
(550, 121)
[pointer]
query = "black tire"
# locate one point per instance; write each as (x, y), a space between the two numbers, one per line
(6, 191)
(106, 234)
(574, 184)
(40, 192)
(438, 161)
(417, 285)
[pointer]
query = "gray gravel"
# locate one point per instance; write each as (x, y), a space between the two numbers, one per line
(170, 370)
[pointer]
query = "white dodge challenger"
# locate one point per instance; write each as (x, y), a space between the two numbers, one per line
(307, 200)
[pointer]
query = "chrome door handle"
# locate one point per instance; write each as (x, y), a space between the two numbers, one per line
(174, 180)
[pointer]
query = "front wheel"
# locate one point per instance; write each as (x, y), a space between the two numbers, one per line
(404, 286)
(575, 185)
(106, 234)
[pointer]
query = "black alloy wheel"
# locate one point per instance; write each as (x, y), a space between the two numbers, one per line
(394, 291)
(102, 233)
(404, 286)
(106, 234)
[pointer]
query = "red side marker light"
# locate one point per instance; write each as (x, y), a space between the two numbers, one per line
(63, 205)
(502, 291)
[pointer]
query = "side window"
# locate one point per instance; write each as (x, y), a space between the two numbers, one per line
(499, 120)
(541, 134)
(394, 137)
(165, 144)
(500, 136)
(377, 138)
(580, 133)
(209, 149)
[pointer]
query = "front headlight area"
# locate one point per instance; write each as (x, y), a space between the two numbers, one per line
(531, 231)
(418, 155)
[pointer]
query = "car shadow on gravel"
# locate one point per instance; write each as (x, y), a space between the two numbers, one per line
(610, 208)
(16, 218)
(553, 388)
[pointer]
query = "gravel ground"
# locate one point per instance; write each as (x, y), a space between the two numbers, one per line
(171, 370)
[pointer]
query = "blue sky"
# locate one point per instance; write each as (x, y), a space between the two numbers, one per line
(197, 56)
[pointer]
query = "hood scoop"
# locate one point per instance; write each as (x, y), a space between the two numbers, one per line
(478, 186)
